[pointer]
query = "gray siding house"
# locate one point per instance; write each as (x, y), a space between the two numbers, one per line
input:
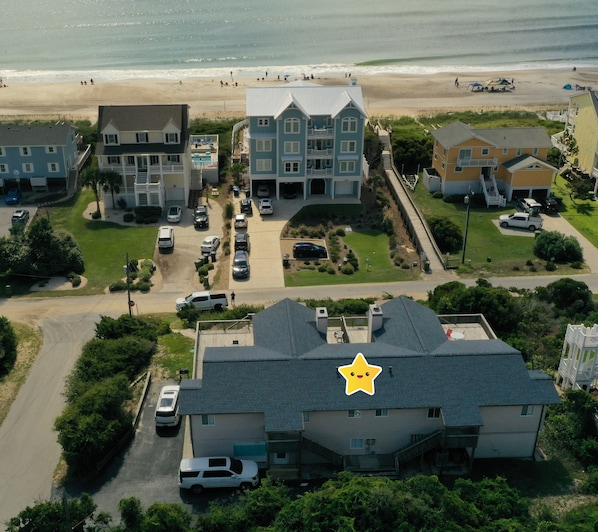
(448, 390)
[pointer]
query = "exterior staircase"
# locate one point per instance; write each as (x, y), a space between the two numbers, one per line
(420, 444)
(490, 190)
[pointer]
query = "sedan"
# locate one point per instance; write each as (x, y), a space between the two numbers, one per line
(265, 206)
(13, 197)
(210, 245)
(309, 250)
(174, 214)
(246, 206)
(241, 265)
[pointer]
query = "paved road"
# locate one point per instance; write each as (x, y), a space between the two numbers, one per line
(28, 449)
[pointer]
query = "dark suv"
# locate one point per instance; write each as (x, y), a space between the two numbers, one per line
(200, 217)
(309, 250)
(246, 206)
(242, 242)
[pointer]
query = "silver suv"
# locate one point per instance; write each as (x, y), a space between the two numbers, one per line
(198, 474)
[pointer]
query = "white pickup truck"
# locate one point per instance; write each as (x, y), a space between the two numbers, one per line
(521, 220)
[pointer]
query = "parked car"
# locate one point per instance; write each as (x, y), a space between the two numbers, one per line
(203, 301)
(309, 250)
(263, 191)
(198, 474)
(241, 265)
(522, 220)
(174, 214)
(550, 205)
(201, 220)
(20, 217)
(289, 190)
(241, 221)
(242, 242)
(167, 409)
(529, 205)
(13, 197)
(246, 206)
(210, 244)
(165, 238)
(265, 206)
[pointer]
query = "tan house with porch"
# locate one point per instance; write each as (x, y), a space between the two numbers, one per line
(501, 163)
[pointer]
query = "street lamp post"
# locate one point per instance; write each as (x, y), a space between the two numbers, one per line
(467, 201)
(126, 268)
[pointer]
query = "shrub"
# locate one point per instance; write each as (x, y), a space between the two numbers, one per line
(529, 263)
(76, 281)
(128, 217)
(96, 215)
(340, 232)
(405, 266)
(331, 270)
(203, 270)
(453, 198)
(577, 264)
(229, 211)
(446, 233)
(8, 346)
(118, 286)
(322, 268)
(392, 241)
(550, 266)
(143, 286)
(438, 194)
(348, 269)
(122, 204)
(557, 247)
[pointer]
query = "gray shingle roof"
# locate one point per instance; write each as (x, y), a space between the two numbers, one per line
(508, 137)
(282, 377)
(35, 134)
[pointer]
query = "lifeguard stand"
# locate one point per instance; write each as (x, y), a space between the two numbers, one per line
(577, 368)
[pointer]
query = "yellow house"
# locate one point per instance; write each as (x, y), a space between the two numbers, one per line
(502, 163)
(584, 128)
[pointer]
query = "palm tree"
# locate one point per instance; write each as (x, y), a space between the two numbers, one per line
(237, 170)
(92, 178)
(111, 183)
(375, 181)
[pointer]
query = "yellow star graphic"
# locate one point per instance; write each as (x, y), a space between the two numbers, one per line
(359, 375)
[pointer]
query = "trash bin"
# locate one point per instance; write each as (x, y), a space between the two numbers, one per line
(286, 260)
(214, 257)
(8, 290)
(236, 191)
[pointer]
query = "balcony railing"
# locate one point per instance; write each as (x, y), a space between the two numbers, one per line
(477, 162)
(314, 152)
(319, 172)
(320, 131)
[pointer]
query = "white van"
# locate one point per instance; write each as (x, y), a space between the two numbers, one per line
(203, 301)
(217, 472)
(167, 409)
(165, 238)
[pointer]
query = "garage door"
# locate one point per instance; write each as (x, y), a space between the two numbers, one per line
(175, 194)
(344, 188)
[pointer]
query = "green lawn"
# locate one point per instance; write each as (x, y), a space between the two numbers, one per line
(104, 244)
(372, 245)
(508, 254)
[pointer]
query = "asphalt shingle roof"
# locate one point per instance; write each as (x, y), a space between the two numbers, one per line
(282, 377)
(35, 134)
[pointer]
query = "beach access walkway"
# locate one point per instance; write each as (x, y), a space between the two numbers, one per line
(413, 218)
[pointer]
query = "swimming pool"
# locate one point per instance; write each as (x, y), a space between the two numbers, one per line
(201, 158)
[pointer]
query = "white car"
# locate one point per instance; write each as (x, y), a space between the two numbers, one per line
(198, 474)
(265, 206)
(167, 409)
(521, 220)
(210, 244)
(241, 221)
(174, 214)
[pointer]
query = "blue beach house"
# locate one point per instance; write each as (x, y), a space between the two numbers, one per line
(37, 156)
(306, 140)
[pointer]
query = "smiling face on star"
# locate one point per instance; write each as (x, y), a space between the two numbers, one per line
(359, 375)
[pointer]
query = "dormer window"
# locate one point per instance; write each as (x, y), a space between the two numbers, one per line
(291, 125)
(171, 138)
(349, 125)
(142, 138)
(111, 139)
(25, 150)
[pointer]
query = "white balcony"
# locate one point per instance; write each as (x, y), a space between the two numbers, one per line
(314, 152)
(320, 131)
(319, 172)
(463, 163)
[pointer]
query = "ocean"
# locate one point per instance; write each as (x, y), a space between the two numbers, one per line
(60, 40)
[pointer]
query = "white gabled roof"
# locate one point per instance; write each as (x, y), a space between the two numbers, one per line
(311, 99)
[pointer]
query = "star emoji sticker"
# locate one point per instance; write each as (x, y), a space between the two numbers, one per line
(359, 375)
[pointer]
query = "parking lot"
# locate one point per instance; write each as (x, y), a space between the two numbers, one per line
(6, 214)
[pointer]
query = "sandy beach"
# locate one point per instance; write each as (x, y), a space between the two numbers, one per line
(384, 94)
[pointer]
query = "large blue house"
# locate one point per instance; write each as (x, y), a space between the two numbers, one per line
(306, 139)
(37, 156)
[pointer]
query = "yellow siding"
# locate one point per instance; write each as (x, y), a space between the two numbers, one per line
(586, 132)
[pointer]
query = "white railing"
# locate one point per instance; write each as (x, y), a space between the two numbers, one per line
(319, 153)
(477, 162)
(320, 132)
(322, 171)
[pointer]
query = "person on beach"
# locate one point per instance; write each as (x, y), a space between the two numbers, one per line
(232, 298)
(457, 82)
